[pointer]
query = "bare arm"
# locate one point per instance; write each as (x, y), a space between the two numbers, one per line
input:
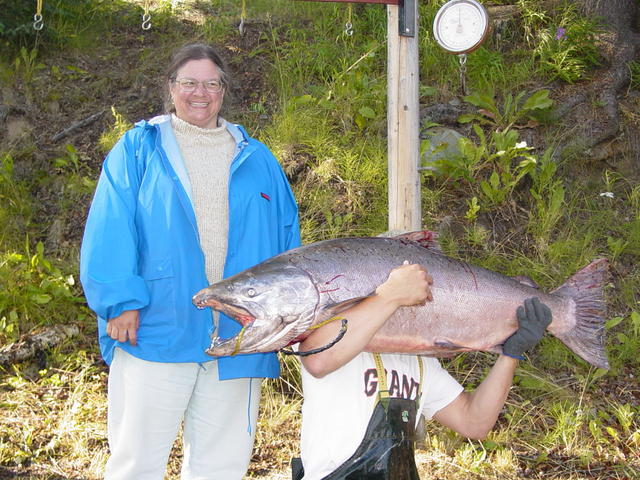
(473, 414)
(406, 285)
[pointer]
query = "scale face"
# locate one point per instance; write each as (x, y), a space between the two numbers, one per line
(461, 26)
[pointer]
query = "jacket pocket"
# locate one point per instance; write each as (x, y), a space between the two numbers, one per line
(155, 269)
(161, 311)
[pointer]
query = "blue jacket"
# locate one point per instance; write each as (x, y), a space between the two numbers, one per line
(141, 248)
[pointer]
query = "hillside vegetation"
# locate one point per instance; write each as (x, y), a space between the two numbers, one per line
(520, 191)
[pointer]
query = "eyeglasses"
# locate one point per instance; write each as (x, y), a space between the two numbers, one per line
(189, 85)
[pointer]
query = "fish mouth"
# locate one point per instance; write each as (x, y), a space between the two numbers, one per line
(249, 340)
(244, 341)
(222, 346)
(256, 337)
(239, 314)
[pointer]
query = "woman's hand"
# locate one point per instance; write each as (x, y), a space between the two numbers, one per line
(124, 327)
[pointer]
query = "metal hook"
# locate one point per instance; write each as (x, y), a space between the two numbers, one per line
(146, 21)
(463, 70)
(348, 29)
(38, 22)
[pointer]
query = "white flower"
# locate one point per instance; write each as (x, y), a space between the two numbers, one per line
(521, 145)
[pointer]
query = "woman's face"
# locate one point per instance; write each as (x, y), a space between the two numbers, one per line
(198, 107)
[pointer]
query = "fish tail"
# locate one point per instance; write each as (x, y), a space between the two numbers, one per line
(587, 337)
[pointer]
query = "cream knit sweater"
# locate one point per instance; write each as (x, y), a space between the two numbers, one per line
(207, 154)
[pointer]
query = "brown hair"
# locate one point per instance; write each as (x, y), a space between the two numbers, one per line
(192, 51)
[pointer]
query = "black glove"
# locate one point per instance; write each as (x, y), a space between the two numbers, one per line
(533, 320)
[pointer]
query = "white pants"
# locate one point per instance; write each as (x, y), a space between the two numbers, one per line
(149, 400)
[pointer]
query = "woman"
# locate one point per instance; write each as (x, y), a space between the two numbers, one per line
(183, 200)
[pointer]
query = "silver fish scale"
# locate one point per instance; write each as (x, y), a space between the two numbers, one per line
(472, 309)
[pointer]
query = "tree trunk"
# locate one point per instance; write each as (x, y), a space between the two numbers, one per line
(620, 44)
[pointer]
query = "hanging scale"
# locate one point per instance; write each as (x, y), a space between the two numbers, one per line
(460, 27)
(463, 70)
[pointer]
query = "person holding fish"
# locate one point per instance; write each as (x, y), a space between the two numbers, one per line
(361, 410)
(184, 200)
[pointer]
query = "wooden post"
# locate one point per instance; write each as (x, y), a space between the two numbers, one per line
(403, 119)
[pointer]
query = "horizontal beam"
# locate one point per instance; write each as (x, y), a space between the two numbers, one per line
(385, 2)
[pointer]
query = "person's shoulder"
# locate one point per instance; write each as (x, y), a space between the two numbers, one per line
(142, 128)
(240, 135)
(139, 137)
(431, 363)
(152, 125)
(433, 368)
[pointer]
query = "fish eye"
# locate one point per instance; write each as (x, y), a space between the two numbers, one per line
(251, 292)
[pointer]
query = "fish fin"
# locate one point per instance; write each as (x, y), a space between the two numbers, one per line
(448, 344)
(524, 280)
(587, 337)
(425, 238)
(339, 307)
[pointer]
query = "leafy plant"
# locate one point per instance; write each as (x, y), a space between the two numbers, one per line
(109, 137)
(472, 211)
(503, 159)
(77, 181)
(34, 292)
(26, 65)
(462, 166)
(69, 161)
(549, 199)
(513, 111)
(563, 41)
(511, 162)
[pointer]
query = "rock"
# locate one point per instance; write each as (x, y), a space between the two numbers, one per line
(443, 144)
(18, 128)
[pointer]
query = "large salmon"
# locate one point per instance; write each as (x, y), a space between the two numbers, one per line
(279, 300)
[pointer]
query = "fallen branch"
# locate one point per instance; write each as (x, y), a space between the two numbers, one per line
(82, 123)
(32, 344)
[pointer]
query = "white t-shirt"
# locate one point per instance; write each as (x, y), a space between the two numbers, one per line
(337, 407)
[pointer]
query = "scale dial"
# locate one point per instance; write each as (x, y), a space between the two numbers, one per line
(461, 26)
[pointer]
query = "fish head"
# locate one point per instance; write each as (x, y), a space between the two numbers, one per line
(275, 304)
